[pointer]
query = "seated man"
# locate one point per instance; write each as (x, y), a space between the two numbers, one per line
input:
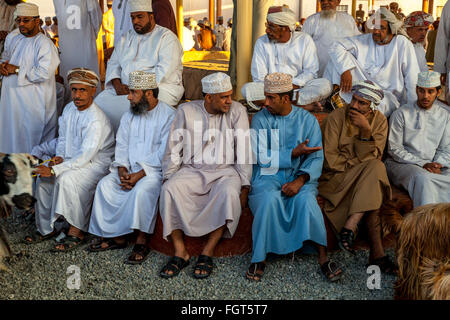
(150, 48)
(283, 50)
(253, 93)
(417, 25)
(284, 189)
(354, 182)
(83, 154)
(127, 198)
(384, 56)
(208, 173)
(419, 145)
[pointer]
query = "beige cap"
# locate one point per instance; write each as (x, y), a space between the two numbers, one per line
(278, 83)
(140, 5)
(27, 10)
(217, 82)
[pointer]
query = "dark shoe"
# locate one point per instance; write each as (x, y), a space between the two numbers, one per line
(175, 264)
(346, 238)
(256, 271)
(331, 271)
(204, 263)
(385, 264)
(112, 245)
(68, 244)
(36, 237)
(138, 249)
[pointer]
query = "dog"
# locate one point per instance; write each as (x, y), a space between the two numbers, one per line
(422, 251)
(16, 184)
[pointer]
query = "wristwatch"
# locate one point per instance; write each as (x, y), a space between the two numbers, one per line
(16, 71)
(52, 172)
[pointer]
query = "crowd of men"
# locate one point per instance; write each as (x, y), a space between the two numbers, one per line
(112, 159)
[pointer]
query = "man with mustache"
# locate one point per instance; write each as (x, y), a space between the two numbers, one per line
(417, 25)
(147, 47)
(419, 144)
(354, 182)
(28, 100)
(283, 50)
(127, 198)
(84, 150)
(327, 26)
(385, 56)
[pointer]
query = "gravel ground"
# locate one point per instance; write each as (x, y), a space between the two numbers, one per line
(37, 273)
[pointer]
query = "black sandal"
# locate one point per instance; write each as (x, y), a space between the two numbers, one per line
(112, 245)
(256, 271)
(346, 238)
(385, 264)
(331, 271)
(68, 243)
(36, 237)
(204, 263)
(175, 264)
(138, 249)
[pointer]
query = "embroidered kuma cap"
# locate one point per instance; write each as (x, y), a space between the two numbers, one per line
(217, 82)
(140, 80)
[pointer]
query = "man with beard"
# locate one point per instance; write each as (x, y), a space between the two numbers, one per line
(148, 47)
(417, 25)
(327, 26)
(385, 56)
(79, 24)
(127, 199)
(28, 100)
(285, 51)
(7, 23)
(208, 171)
(419, 145)
(84, 151)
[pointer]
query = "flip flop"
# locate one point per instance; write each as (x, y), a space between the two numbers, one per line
(36, 237)
(112, 245)
(69, 243)
(175, 264)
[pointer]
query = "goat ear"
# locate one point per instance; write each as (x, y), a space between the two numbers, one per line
(4, 188)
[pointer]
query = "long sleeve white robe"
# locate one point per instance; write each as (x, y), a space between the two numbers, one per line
(86, 143)
(206, 170)
(79, 22)
(441, 50)
(140, 145)
(325, 31)
(28, 100)
(122, 19)
(393, 67)
(158, 51)
(421, 59)
(418, 137)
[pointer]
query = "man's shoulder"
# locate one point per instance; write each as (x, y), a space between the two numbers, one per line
(337, 115)
(263, 40)
(313, 17)
(165, 108)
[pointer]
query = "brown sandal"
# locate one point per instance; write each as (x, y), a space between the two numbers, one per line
(256, 271)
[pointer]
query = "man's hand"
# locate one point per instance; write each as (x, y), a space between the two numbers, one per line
(346, 81)
(121, 89)
(8, 69)
(292, 188)
(443, 79)
(3, 70)
(433, 167)
(130, 180)
(43, 171)
(360, 121)
(303, 149)
(244, 197)
(313, 107)
(55, 161)
(108, 53)
(59, 79)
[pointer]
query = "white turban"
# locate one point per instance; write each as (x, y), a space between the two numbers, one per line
(316, 90)
(395, 24)
(369, 91)
(253, 91)
(140, 5)
(26, 10)
(285, 17)
(217, 82)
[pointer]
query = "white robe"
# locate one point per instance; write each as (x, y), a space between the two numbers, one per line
(206, 171)
(418, 137)
(158, 51)
(393, 67)
(86, 143)
(122, 19)
(421, 59)
(79, 22)
(325, 31)
(441, 51)
(219, 31)
(28, 101)
(188, 39)
(140, 145)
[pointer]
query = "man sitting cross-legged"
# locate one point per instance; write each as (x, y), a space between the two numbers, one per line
(354, 182)
(419, 145)
(208, 172)
(284, 189)
(127, 199)
(83, 154)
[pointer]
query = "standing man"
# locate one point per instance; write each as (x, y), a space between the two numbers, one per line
(164, 15)
(219, 31)
(28, 101)
(108, 23)
(78, 31)
(127, 199)
(354, 182)
(48, 27)
(122, 19)
(417, 25)
(442, 52)
(327, 26)
(188, 35)
(7, 23)
(283, 197)
(384, 56)
(207, 173)
(150, 48)
(227, 40)
(54, 27)
(360, 14)
(83, 154)
(419, 145)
